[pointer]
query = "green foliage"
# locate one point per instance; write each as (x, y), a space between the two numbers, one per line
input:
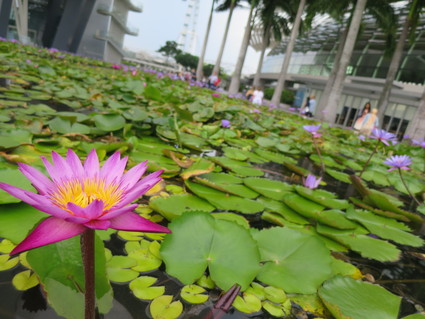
(287, 97)
(170, 49)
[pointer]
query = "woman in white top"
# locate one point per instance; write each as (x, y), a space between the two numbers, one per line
(257, 96)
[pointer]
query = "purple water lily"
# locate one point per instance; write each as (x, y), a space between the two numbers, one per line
(383, 136)
(255, 111)
(313, 129)
(362, 137)
(419, 143)
(312, 181)
(398, 161)
(79, 197)
(225, 123)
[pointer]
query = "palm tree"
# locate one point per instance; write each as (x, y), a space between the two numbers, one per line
(283, 73)
(385, 18)
(273, 25)
(409, 25)
(416, 129)
(227, 4)
(236, 77)
(329, 111)
(199, 72)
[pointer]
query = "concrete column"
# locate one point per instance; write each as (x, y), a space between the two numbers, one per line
(5, 7)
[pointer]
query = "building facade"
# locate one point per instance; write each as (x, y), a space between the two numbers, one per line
(93, 28)
(314, 56)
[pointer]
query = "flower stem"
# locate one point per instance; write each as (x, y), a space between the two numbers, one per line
(320, 157)
(407, 188)
(370, 157)
(87, 250)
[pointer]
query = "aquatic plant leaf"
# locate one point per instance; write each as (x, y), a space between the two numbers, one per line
(311, 303)
(234, 189)
(415, 183)
(14, 138)
(358, 241)
(274, 294)
(293, 261)
(347, 298)
(234, 153)
(248, 303)
(199, 167)
(238, 219)
(225, 201)
(283, 210)
(302, 206)
(118, 269)
(176, 205)
(7, 262)
(6, 246)
(378, 176)
(327, 160)
(275, 310)
(142, 288)
(163, 307)
(16, 220)
(343, 268)
(266, 142)
(199, 240)
(238, 167)
(194, 294)
(109, 122)
(385, 227)
(16, 178)
(338, 175)
(269, 188)
(296, 169)
(25, 280)
(322, 197)
(271, 156)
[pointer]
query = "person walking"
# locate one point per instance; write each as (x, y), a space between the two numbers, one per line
(311, 106)
(257, 96)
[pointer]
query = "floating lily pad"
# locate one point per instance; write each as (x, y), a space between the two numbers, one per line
(25, 280)
(225, 201)
(164, 308)
(347, 298)
(175, 205)
(238, 167)
(248, 303)
(269, 188)
(322, 197)
(293, 261)
(199, 241)
(194, 294)
(142, 288)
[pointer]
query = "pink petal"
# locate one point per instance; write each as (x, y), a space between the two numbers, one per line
(98, 224)
(54, 174)
(133, 175)
(61, 166)
(50, 230)
(37, 178)
(140, 188)
(113, 168)
(91, 165)
(77, 220)
(75, 164)
(91, 211)
(134, 222)
(20, 193)
(116, 212)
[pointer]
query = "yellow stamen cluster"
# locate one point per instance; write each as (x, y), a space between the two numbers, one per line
(82, 193)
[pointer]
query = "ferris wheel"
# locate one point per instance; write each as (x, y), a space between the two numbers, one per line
(188, 36)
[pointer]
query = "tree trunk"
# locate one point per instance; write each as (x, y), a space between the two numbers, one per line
(199, 71)
(329, 112)
(416, 128)
(264, 46)
(236, 77)
(331, 80)
(223, 42)
(392, 71)
(283, 72)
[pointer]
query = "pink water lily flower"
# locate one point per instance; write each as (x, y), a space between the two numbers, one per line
(312, 181)
(79, 196)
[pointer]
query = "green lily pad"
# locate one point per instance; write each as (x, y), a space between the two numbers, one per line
(199, 167)
(347, 298)
(385, 227)
(271, 156)
(194, 294)
(275, 310)
(118, 269)
(283, 210)
(25, 280)
(6, 262)
(109, 122)
(367, 246)
(248, 303)
(269, 188)
(235, 189)
(293, 261)
(338, 175)
(16, 178)
(238, 219)
(145, 253)
(163, 308)
(225, 201)
(176, 205)
(238, 167)
(322, 197)
(14, 138)
(199, 241)
(142, 288)
(234, 153)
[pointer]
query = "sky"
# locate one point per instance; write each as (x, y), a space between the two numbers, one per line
(162, 20)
